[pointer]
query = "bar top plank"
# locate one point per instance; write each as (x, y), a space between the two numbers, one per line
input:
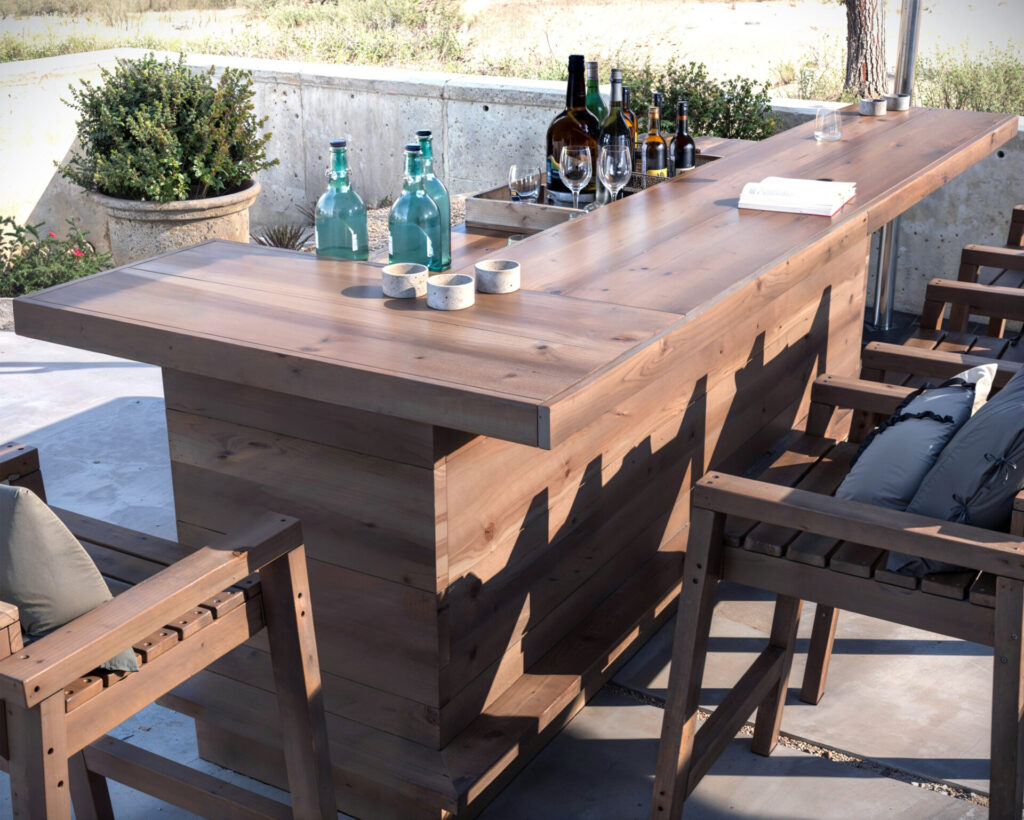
(600, 294)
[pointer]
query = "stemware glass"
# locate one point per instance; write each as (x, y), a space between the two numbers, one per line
(575, 167)
(614, 168)
(826, 125)
(524, 182)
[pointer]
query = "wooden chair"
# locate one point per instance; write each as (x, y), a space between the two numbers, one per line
(180, 610)
(785, 533)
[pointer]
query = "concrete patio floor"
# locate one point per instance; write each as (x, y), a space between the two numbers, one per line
(911, 707)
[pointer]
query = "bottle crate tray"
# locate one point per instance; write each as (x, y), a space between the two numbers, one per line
(496, 209)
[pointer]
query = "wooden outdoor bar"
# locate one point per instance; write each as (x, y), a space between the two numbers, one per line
(495, 501)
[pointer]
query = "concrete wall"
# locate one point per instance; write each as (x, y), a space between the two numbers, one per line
(481, 126)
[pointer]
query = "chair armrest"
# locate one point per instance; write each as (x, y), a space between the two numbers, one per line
(992, 256)
(984, 300)
(986, 550)
(1015, 236)
(932, 364)
(17, 460)
(83, 644)
(858, 394)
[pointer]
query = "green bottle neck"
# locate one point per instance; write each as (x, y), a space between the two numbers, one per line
(413, 173)
(339, 169)
(427, 148)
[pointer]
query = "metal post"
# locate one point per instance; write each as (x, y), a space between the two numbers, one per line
(889, 235)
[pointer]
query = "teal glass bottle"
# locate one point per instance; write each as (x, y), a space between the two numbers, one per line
(340, 223)
(436, 191)
(414, 224)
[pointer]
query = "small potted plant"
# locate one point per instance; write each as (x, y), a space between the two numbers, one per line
(169, 153)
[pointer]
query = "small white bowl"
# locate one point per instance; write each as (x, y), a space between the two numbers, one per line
(897, 102)
(497, 276)
(450, 291)
(404, 280)
(872, 107)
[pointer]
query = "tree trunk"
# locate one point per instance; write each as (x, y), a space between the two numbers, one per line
(865, 48)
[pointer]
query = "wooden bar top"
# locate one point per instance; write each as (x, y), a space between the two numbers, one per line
(601, 301)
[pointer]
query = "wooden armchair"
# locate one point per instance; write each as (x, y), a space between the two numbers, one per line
(787, 534)
(192, 609)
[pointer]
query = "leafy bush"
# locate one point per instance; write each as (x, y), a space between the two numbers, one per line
(30, 261)
(994, 82)
(821, 71)
(736, 108)
(163, 132)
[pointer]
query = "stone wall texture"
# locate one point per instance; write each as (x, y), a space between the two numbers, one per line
(481, 126)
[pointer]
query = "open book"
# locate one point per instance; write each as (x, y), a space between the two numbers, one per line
(798, 196)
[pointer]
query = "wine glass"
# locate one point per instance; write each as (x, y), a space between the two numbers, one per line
(826, 125)
(614, 167)
(575, 167)
(524, 182)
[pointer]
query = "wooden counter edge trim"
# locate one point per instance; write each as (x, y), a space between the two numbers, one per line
(505, 417)
(947, 167)
(562, 415)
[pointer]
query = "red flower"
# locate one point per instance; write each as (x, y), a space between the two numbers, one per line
(53, 235)
(77, 252)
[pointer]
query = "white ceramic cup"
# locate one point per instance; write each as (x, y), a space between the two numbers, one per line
(451, 291)
(404, 280)
(497, 276)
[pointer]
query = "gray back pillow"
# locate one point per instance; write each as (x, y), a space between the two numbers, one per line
(45, 572)
(977, 475)
(892, 462)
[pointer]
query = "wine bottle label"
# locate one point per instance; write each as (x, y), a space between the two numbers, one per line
(391, 245)
(430, 248)
(355, 240)
(657, 172)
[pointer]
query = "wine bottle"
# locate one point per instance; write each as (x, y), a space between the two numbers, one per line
(684, 149)
(436, 191)
(575, 127)
(340, 222)
(615, 130)
(627, 112)
(654, 154)
(414, 224)
(595, 104)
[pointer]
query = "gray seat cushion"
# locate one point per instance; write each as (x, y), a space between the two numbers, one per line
(893, 461)
(976, 476)
(45, 572)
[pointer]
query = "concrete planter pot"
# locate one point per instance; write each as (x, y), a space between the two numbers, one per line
(138, 230)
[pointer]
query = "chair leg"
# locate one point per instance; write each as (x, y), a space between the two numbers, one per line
(689, 650)
(769, 711)
(299, 692)
(1007, 783)
(39, 762)
(819, 653)
(89, 793)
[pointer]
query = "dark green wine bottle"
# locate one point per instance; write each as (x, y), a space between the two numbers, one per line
(595, 104)
(684, 149)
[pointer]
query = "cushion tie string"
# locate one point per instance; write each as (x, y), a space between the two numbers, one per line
(959, 512)
(1001, 466)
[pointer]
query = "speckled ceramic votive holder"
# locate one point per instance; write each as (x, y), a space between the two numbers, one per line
(404, 280)
(450, 291)
(497, 276)
(897, 102)
(872, 107)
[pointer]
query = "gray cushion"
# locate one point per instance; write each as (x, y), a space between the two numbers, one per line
(45, 572)
(892, 462)
(977, 475)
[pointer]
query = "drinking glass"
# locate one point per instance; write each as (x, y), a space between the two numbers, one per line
(826, 125)
(524, 182)
(575, 167)
(614, 167)
(515, 239)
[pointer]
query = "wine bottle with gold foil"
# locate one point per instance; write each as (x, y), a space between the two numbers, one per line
(684, 149)
(575, 127)
(654, 152)
(627, 112)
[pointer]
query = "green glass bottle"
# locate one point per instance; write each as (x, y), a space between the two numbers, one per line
(436, 191)
(595, 103)
(340, 223)
(414, 224)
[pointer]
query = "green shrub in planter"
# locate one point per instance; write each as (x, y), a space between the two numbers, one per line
(161, 132)
(30, 261)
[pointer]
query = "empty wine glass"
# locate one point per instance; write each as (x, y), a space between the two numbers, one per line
(575, 167)
(614, 167)
(826, 125)
(524, 182)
